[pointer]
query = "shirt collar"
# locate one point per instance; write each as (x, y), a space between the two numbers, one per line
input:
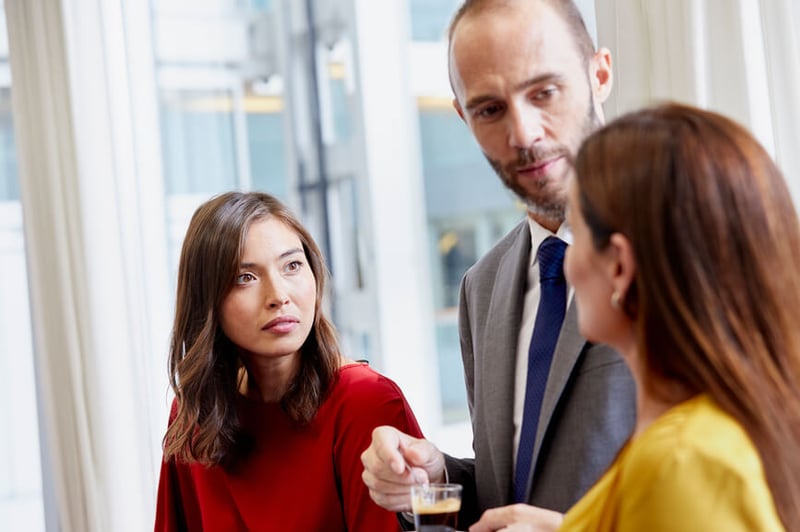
(539, 233)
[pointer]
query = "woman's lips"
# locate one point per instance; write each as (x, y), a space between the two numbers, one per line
(282, 325)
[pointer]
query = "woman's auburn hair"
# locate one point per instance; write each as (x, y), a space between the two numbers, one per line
(716, 240)
(204, 365)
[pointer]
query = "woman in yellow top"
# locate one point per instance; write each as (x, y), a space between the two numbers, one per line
(686, 258)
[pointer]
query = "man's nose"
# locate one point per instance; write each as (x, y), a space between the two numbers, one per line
(525, 126)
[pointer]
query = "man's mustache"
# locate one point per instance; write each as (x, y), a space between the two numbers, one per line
(532, 156)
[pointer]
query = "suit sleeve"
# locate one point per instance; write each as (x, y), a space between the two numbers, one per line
(465, 338)
(462, 470)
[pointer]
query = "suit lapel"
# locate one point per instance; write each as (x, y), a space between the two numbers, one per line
(501, 334)
(568, 349)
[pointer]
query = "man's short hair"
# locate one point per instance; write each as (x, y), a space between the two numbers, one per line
(567, 9)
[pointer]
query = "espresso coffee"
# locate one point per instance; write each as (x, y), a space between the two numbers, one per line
(441, 516)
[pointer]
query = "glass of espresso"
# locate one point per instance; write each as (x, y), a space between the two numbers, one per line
(436, 507)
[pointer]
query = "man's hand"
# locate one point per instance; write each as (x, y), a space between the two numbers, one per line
(518, 518)
(396, 461)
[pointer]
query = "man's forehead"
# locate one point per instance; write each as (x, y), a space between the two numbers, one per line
(528, 40)
(497, 24)
(498, 13)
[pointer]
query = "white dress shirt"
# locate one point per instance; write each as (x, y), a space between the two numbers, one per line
(532, 295)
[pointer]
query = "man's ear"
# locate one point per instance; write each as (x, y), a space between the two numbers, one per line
(623, 263)
(601, 75)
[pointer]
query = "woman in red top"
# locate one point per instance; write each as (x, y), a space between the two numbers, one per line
(269, 419)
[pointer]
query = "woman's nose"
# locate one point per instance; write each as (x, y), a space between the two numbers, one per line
(277, 302)
(276, 295)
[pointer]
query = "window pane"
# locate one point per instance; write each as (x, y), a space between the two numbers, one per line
(9, 185)
(198, 143)
(267, 146)
(430, 18)
(221, 99)
(468, 211)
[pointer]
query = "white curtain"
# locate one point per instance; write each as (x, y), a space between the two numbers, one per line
(738, 57)
(87, 139)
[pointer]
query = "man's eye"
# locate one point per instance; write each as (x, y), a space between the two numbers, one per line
(488, 111)
(545, 94)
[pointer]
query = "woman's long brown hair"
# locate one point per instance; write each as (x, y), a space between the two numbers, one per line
(204, 366)
(716, 296)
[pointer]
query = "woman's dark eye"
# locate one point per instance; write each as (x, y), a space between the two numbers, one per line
(245, 278)
(294, 265)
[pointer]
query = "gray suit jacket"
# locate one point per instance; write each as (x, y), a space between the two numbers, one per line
(588, 409)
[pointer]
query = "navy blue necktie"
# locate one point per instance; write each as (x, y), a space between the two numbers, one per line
(549, 318)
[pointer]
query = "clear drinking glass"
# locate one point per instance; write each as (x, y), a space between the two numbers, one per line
(435, 507)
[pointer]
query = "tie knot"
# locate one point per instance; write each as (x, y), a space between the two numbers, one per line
(551, 259)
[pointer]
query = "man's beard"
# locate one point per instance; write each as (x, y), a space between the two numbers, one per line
(552, 206)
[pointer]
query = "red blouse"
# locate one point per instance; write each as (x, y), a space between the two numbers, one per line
(303, 478)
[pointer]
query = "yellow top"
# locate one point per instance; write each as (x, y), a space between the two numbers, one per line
(694, 468)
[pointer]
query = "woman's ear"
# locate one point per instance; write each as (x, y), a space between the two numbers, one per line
(623, 264)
